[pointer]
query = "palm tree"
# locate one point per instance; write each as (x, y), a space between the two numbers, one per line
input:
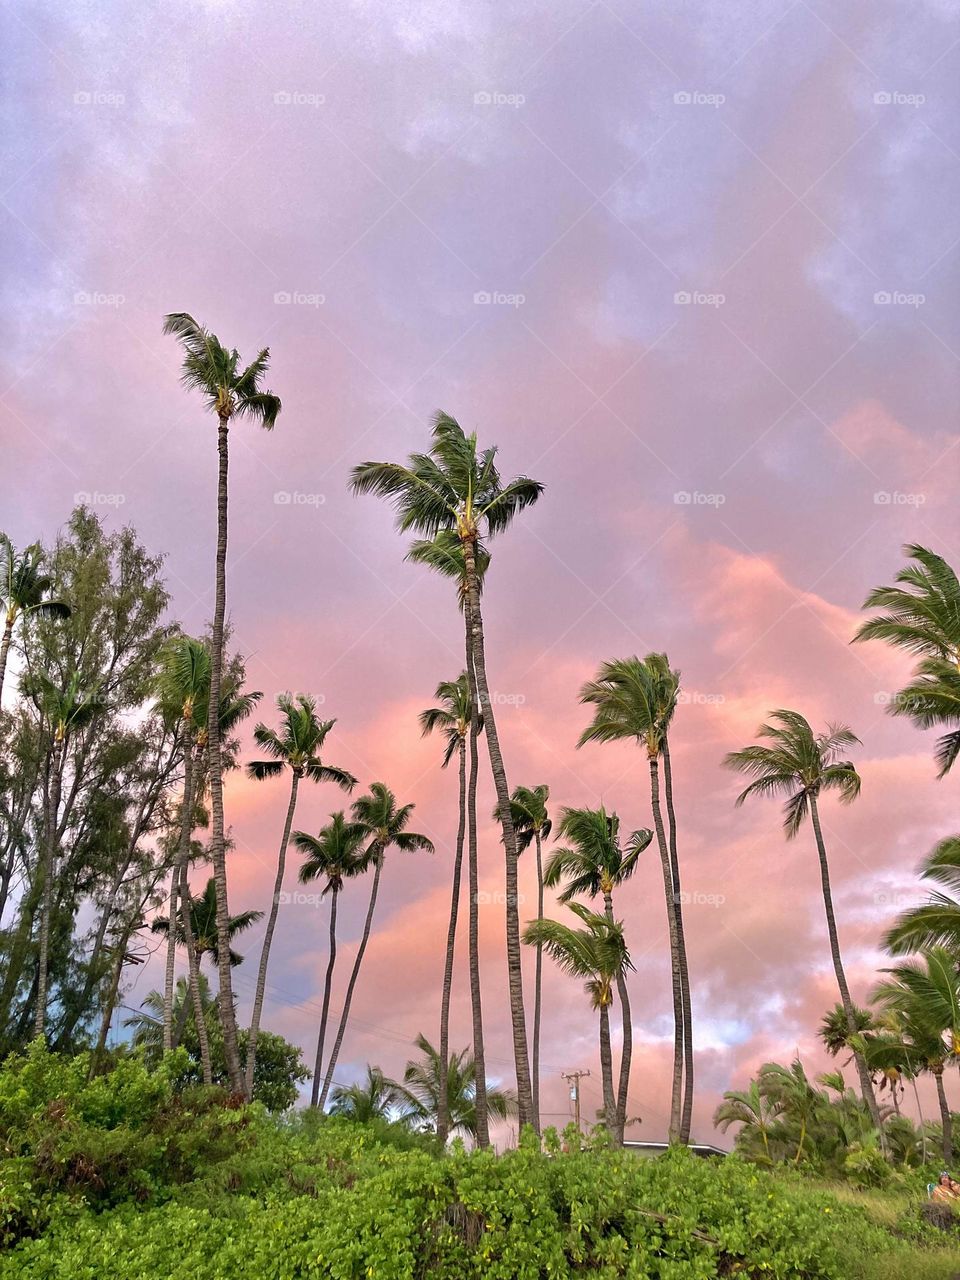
(593, 864)
(24, 589)
(754, 1111)
(147, 1024)
(336, 854)
(936, 922)
(230, 393)
(374, 1098)
(385, 825)
(921, 614)
(532, 824)
(68, 710)
(425, 1081)
(451, 718)
(455, 491)
(598, 953)
(925, 994)
(791, 1094)
(636, 699)
(802, 767)
(892, 1052)
(295, 747)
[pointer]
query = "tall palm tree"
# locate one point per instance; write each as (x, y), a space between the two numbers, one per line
(229, 392)
(634, 699)
(598, 953)
(803, 766)
(385, 824)
(593, 864)
(425, 1079)
(925, 993)
(374, 1098)
(921, 614)
(455, 491)
(336, 854)
(451, 719)
(532, 824)
(68, 710)
(296, 747)
(24, 590)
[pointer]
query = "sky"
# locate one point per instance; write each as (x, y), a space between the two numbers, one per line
(693, 266)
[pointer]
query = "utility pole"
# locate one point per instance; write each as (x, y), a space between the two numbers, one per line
(574, 1077)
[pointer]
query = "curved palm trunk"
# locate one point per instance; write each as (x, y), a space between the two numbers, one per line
(676, 1090)
(626, 1051)
(325, 1011)
(473, 872)
(5, 649)
(228, 1014)
(946, 1124)
(686, 1114)
(47, 874)
(514, 965)
(268, 939)
(341, 1030)
(193, 978)
(443, 1096)
(183, 853)
(866, 1084)
(537, 993)
(606, 1071)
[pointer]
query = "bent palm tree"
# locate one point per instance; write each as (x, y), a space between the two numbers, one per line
(532, 825)
(425, 1080)
(802, 767)
(637, 699)
(755, 1112)
(336, 854)
(455, 491)
(598, 953)
(452, 720)
(295, 747)
(921, 614)
(593, 864)
(229, 392)
(385, 825)
(24, 589)
(374, 1098)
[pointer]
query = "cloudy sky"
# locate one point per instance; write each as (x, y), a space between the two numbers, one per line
(692, 265)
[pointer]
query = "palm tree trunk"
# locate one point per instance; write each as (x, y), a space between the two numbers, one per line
(193, 961)
(345, 1014)
(108, 1011)
(606, 1071)
(686, 1114)
(866, 1085)
(473, 874)
(183, 854)
(327, 984)
(676, 1091)
(180, 1025)
(5, 649)
(537, 992)
(626, 1051)
(443, 1098)
(923, 1123)
(896, 1100)
(514, 963)
(268, 938)
(228, 1013)
(49, 863)
(946, 1124)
